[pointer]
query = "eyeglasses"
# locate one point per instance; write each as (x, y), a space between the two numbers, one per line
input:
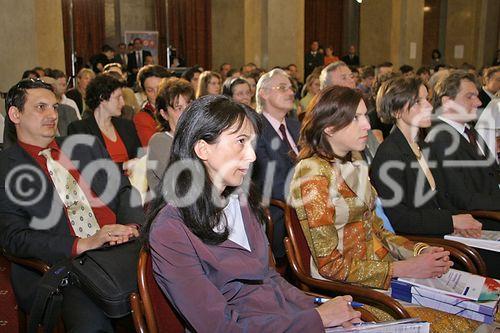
(27, 83)
(283, 88)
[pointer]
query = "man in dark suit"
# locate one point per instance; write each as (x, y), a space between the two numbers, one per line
(351, 58)
(136, 59)
(466, 168)
(50, 209)
(491, 86)
(122, 56)
(313, 59)
(276, 147)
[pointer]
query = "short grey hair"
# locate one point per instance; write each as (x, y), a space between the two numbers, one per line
(324, 78)
(263, 84)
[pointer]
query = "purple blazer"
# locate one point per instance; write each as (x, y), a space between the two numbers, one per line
(225, 288)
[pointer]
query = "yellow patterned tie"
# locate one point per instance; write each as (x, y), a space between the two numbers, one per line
(80, 213)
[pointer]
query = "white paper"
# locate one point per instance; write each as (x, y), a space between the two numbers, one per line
(459, 52)
(411, 325)
(413, 50)
(489, 240)
(455, 283)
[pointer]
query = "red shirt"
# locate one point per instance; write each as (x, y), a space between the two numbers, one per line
(145, 124)
(116, 149)
(103, 214)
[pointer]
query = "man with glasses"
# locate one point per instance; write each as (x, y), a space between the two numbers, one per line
(336, 74)
(276, 147)
(50, 209)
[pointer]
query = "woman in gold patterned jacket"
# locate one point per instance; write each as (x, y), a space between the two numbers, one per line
(334, 200)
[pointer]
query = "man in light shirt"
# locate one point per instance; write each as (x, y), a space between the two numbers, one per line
(276, 147)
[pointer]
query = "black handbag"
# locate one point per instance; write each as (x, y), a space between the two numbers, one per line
(108, 275)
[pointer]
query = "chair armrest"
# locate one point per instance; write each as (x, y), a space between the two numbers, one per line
(487, 214)
(137, 313)
(359, 293)
(35, 264)
(461, 253)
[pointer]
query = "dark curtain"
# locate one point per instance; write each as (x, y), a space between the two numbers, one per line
(323, 22)
(88, 30)
(189, 24)
(161, 27)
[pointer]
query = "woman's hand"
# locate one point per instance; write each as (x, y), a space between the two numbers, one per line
(466, 226)
(432, 262)
(338, 311)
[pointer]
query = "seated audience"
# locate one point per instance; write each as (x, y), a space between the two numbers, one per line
(367, 79)
(56, 224)
(252, 78)
(401, 161)
(131, 105)
(208, 84)
(424, 73)
(60, 88)
(223, 229)
(491, 78)
(66, 114)
(336, 74)
(238, 89)
(105, 100)
(311, 89)
(407, 70)
(174, 96)
(329, 56)
(335, 204)
(100, 60)
(77, 94)
(192, 75)
(149, 79)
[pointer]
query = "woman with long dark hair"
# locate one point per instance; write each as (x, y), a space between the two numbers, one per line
(206, 236)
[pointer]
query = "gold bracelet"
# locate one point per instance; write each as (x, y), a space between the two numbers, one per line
(418, 248)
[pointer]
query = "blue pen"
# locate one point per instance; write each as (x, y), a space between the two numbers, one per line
(321, 300)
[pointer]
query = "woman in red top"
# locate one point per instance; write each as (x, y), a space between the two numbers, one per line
(104, 98)
(149, 79)
(329, 57)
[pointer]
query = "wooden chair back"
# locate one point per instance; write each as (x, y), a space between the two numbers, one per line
(151, 310)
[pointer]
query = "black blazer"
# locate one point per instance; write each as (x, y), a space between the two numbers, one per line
(484, 98)
(76, 96)
(124, 127)
(18, 234)
(132, 60)
(408, 216)
(465, 187)
(354, 61)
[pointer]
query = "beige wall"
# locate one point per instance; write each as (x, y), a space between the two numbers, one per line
(375, 31)
(285, 33)
(49, 34)
(33, 35)
(136, 15)
(269, 32)
(387, 30)
(228, 34)
(461, 30)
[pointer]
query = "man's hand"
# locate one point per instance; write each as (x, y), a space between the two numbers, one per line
(111, 233)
